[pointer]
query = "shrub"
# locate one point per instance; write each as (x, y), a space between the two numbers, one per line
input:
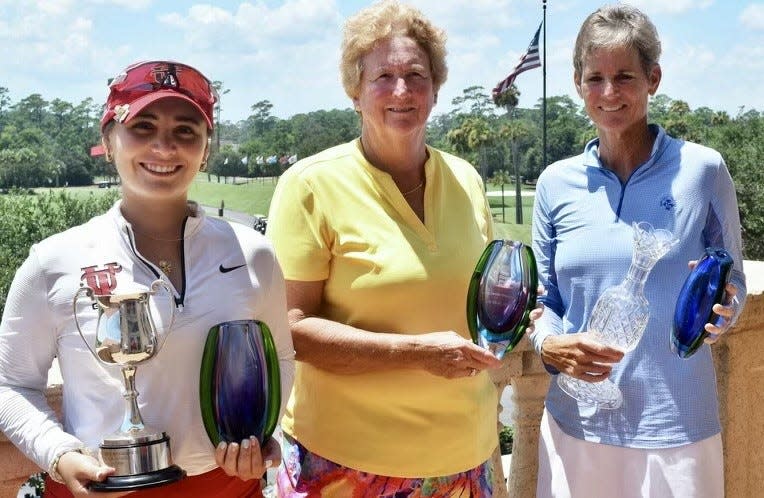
(506, 436)
(36, 483)
(26, 219)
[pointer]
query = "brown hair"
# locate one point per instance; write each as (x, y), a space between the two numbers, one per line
(617, 26)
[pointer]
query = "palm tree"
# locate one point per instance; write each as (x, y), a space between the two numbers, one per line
(472, 137)
(515, 130)
(218, 86)
(508, 99)
(501, 177)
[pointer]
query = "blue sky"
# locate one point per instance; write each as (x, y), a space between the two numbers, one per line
(287, 51)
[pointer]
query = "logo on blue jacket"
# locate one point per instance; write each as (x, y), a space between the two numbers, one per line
(667, 202)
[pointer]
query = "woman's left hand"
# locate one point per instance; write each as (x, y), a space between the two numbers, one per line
(725, 312)
(247, 460)
(535, 314)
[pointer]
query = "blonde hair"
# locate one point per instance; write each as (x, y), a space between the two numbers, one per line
(614, 26)
(383, 20)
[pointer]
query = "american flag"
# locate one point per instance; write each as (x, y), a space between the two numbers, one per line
(529, 60)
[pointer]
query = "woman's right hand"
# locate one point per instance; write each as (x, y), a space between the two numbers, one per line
(78, 470)
(580, 356)
(449, 355)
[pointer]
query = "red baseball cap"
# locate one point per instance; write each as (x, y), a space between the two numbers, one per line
(143, 83)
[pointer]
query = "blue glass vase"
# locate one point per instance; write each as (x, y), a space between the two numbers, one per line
(501, 295)
(703, 289)
(239, 386)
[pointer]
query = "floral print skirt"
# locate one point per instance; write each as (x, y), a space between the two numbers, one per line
(307, 475)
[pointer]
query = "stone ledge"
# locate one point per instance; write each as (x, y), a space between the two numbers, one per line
(15, 468)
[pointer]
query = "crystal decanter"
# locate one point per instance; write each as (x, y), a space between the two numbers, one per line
(621, 313)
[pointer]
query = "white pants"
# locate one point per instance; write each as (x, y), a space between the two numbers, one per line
(573, 468)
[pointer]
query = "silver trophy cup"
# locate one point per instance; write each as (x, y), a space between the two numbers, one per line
(126, 336)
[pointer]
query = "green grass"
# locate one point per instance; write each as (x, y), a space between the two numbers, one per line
(504, 219)
(255, 198)
(76, 191)
(512, 231)
(251, 198)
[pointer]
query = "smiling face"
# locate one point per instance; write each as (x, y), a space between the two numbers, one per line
(159, 152)
(396, 94)
(615, 88)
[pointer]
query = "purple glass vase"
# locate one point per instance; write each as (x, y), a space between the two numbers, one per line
(239, 382)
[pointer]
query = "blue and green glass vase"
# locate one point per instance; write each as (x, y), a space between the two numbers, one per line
(239, 384)
(703, 288)
(501, 295)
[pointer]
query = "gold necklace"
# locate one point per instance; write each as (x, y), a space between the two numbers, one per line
(142, 234)
(165, 266)
(421, 184)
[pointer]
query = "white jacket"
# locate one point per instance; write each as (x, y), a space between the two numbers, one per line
(229, 273)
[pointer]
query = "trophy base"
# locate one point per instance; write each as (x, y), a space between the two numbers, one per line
(142, 459)
(603, 394)
(168, 475)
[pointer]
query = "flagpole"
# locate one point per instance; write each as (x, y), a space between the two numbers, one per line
(543, 97)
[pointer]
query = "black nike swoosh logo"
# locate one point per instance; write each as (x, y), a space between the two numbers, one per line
(224, 269)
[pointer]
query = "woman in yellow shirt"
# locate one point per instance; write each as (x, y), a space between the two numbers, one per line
(378, 239)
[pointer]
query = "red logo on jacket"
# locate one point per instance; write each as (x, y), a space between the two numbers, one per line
(102, 281)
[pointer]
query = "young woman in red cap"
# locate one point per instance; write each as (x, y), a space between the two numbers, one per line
(156, 130)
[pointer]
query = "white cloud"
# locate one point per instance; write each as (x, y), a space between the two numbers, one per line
(253, 26)
(654, 7)
(51, 34)
(287, 51)
(719, 79)
(198, 16)
(688, 59)
(204, 27)
(297, 20)
(753, 16)
(468, 17)
(53, 7)
(48, 47)
(129, 4)
(287, 54)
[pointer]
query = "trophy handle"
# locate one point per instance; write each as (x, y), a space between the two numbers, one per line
(155, 285)
(89, 292)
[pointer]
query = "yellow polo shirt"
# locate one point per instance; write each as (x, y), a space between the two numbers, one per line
(335, 217)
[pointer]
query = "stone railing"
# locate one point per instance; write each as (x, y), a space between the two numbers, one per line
(740, 373)
(529, 380)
